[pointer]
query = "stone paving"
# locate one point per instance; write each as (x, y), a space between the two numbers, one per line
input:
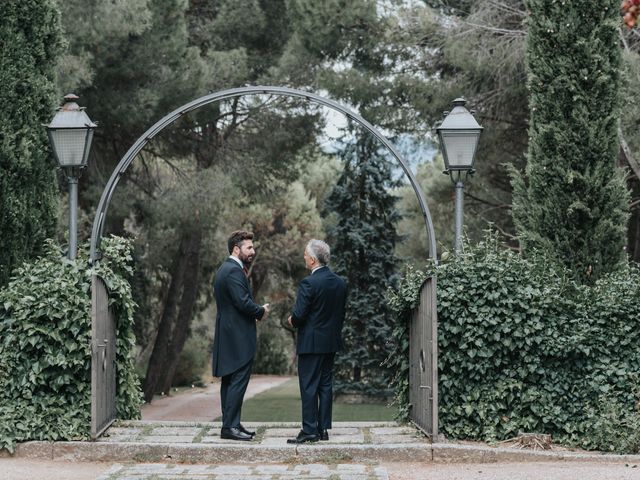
(356, 433)
(199, 441)
(355, 450)
(245, 472)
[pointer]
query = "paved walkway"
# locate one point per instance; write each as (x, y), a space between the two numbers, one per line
(31, 469)
(146, 450)
(200, 442)
(247, 472)
(203, 404)
(267, 434)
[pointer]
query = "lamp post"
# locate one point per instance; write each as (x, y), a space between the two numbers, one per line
(459, 133)
(70, 134)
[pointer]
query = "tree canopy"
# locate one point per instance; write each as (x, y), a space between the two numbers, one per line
(573, 202)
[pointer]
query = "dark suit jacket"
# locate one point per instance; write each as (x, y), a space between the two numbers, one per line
(234, 343)
(319, 312)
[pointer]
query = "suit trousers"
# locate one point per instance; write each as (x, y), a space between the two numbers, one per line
(315, 374)
(232, 390)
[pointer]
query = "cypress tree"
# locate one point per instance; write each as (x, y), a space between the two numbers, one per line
(573, 202)
(363, 242)
(30, 40)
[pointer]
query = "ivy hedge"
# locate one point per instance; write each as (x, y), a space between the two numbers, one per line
(45, 353)
(523, 348)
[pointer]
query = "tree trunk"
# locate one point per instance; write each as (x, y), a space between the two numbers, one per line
(626, 159)
(634, 240)
(188, 300)
(155, 369)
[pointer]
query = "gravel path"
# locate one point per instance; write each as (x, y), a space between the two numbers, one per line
(28, 469)
(32, 469)
(514, 471)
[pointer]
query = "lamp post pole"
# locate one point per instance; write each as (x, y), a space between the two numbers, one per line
(73, 216)
(459, 186)
(459, 133)
(70, 134)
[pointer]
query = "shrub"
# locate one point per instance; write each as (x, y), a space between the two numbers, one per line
(573, 200)
(45, 356)
(31, 39)
(522, 347)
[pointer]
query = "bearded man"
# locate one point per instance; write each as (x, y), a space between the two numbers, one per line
(234, 344)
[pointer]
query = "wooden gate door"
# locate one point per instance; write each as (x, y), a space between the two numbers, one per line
(423, 361)
(103, 359)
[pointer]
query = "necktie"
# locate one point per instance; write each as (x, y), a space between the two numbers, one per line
(246, 271)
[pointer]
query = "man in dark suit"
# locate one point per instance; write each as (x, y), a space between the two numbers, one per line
(234, 344)
(318, 315)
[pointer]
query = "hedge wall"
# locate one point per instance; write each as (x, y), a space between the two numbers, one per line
(45, 355)
(31, 42)
(523, 348)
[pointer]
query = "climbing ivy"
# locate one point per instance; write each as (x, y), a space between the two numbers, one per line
(45, 355)
(524, 347)
(402, 301)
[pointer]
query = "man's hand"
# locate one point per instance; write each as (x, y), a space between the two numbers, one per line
(266, 312)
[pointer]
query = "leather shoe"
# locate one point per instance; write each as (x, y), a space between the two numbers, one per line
(324, 435)
(244, 430)
(234, 434)
(303, 438)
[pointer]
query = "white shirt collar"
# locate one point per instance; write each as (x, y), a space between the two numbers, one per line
(317, 268)
(237, 260)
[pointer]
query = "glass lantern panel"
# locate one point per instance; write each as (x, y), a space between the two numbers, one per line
(460, 149)
(69, 145)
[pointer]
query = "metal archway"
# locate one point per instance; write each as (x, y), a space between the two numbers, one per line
(105, 199)
(423, 351)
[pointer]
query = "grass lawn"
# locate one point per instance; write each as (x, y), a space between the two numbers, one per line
(282, 404)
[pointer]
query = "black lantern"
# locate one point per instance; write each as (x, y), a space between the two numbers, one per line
(70, 134)
(459, 133)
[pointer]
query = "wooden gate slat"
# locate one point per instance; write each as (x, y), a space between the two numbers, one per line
(423, 361)
(103, 359)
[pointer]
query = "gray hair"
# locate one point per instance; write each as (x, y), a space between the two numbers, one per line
(319, 250)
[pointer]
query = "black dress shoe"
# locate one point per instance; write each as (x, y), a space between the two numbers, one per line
(303, 438)
(324, 435)
(234, 434)
(244, 430)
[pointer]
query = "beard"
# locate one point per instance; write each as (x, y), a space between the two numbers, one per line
(245, 259)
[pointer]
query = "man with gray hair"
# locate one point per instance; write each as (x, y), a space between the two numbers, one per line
(318, 314)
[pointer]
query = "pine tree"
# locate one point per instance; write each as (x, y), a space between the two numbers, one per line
(573, 203)
(30, 38)
(363, 241)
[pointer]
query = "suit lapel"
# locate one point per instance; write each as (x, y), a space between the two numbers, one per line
(237, 265)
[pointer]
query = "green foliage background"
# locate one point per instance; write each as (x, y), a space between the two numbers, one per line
(30, 36)
(45, 352)
(363, 241)
(573, 202)
(524, 347)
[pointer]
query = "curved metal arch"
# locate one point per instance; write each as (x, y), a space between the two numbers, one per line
(105, 199)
